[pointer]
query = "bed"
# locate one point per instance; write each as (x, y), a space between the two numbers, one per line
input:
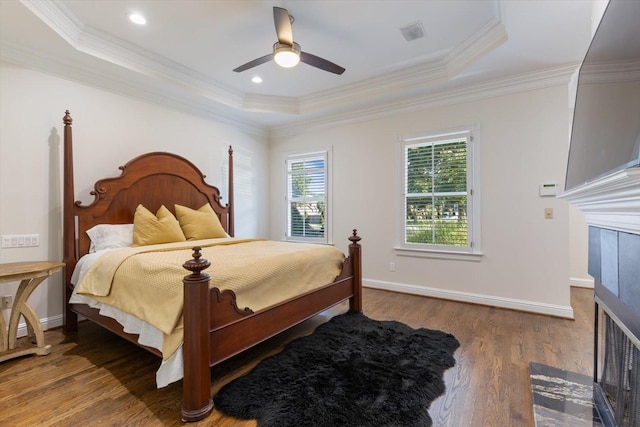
(215, 326)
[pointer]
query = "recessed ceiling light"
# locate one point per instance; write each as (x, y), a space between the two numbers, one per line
(256, 79)
(136, 18)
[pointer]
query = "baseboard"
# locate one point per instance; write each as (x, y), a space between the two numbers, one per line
(493, 301)
(581, 283)
(46, 323)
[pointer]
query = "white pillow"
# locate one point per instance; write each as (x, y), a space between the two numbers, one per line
(110, 236)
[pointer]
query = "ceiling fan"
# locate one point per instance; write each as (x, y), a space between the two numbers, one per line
(286, 52)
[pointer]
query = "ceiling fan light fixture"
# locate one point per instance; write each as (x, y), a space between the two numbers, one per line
(285, 55)
(286, 52)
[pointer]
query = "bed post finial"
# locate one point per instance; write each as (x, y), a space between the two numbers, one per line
(67, 120)
(196, 265)
(355, 238)
(196, 398)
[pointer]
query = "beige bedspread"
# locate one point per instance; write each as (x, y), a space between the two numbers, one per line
(147, 281)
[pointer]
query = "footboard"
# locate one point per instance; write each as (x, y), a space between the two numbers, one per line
(215, 329)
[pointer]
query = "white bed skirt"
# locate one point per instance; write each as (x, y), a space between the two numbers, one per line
(171, 369)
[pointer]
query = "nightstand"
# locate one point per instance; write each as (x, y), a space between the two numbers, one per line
(30, 275)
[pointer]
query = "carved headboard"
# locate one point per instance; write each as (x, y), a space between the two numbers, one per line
(151, 179)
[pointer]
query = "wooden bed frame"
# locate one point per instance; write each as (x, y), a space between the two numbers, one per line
(215, 329)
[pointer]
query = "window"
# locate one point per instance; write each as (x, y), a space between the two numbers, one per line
(307, 184)
(438, 196)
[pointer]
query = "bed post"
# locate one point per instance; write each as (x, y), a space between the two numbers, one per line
(355, 303)
(70, 319)
(230, 229)
(196, 387)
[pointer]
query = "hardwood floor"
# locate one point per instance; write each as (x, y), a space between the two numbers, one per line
(99, 379)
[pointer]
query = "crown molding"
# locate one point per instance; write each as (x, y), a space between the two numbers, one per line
(104, 80)
(180, 88)
(112, 49)
(57, 17)
(206, 108)
(410, 79)
(556, 76)
(270, 104)
(119, 52)
(611, 72)
(488, 38)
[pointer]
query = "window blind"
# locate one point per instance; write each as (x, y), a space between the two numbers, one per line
(306, 196)
(436, 178)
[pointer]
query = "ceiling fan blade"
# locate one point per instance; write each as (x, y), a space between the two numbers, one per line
(283, 25)
(323, 64)
(254, 63)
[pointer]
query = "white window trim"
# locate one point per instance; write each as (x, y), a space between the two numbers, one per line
(328, 214)
(438, 254)
(417, 250)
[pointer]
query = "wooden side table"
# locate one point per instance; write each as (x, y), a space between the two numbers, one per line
(30, 275)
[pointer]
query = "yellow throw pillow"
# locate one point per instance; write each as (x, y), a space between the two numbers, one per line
(199, 224)
(150, 229)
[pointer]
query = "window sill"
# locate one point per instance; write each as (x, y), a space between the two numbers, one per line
(316, 242)
(439, 254)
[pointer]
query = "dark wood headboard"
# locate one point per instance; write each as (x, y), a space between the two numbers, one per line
(151, 179)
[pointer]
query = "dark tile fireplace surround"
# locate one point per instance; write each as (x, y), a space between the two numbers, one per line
(614, 263)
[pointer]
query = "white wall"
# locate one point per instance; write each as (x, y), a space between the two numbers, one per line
(579, 253)
(524, 143)
(527, 263)
(108, 131)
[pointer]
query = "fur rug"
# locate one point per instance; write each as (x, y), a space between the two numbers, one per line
(352, 371)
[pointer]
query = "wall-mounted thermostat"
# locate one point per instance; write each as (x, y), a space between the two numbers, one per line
(548, 189)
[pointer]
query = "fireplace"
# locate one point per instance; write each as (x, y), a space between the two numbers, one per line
(618, 385)
(614, 263)
(612, 211)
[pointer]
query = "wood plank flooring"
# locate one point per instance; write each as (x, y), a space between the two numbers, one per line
(98, 379)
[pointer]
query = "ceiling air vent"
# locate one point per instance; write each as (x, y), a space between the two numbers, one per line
(412, 31)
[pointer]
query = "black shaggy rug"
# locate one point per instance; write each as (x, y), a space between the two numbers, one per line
(352, 371)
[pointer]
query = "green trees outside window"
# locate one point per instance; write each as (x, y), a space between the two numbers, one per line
(306, 197)
(436, 192)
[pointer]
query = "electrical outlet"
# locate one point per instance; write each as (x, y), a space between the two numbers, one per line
(392, 266)
(6, 301)
(20, 240)
(548, 213)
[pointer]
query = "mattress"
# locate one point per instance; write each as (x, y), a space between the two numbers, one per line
(261, 273)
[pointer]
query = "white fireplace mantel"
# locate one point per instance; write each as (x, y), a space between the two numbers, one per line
(611, 202)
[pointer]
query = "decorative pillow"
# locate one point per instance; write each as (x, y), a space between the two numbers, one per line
(199, 224)
(150, 229)
(110, 236)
